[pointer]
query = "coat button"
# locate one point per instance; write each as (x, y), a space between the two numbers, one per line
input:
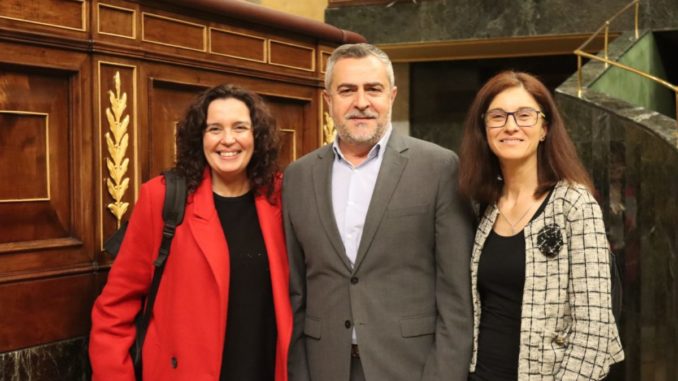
(347, 324)
(559, 340)
(174, 362)
(354, 280)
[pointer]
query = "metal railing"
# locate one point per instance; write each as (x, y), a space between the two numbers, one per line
(605, 28)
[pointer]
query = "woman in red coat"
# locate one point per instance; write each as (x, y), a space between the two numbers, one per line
(222, 310)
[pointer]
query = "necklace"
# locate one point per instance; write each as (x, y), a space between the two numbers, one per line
(514, 224)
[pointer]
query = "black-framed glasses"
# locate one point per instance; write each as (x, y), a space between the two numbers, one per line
(524, 117)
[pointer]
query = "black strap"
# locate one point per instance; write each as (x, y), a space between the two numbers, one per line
(616, 288)
(172, 215)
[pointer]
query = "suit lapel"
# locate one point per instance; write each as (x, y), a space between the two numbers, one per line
(391, 170)
(208, 233)
(322, 182)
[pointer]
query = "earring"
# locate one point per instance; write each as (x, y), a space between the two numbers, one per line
(542, 138)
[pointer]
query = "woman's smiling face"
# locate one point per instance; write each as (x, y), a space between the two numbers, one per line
(511, 143)
(228, 141)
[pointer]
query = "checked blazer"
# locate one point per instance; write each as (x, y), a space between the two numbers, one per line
(568, 331)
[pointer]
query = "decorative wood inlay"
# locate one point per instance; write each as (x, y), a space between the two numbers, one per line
(329, 131)
(324, 57)
(237, 45)
(117, 141)
(290, 137)
(290, 55)
(24, 162)
(117, 21)
(72, 14)
(163, 30)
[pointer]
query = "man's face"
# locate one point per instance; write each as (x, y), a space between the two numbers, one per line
(360, 98)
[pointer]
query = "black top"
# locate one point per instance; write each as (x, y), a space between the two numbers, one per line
(249, 347)
(501, 278)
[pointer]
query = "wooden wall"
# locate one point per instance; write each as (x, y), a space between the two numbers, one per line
(90, 94)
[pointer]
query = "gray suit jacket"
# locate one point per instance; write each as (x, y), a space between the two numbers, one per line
(408, 295)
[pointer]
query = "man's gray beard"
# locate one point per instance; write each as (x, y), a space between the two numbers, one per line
(346, 137)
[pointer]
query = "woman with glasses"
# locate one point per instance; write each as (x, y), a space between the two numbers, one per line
(540, 264)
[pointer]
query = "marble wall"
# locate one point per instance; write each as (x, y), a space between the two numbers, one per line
(435, 20)
(61, 361)
(632, 154)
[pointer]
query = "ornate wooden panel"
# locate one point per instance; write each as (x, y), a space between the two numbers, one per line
(44, 310)
(295, 56)
(173, 31)
(90, 94)
(35, 176)
(238, 45)
(116, 21)
(289, 114)
(324, 56)
(168, 102)
(25, 168)
(65, 14)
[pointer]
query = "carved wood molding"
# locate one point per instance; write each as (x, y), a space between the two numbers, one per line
(117, 141)
(329, 131)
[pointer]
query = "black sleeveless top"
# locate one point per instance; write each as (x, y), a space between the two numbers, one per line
(501, 278)
(249, 347)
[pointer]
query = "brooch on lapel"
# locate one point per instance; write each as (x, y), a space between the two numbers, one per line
(550, 240)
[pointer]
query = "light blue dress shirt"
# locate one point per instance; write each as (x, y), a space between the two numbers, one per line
(352, 188)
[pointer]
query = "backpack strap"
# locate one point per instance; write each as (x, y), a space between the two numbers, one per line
(172, 215)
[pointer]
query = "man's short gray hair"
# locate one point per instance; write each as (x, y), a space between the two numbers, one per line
(357, 51)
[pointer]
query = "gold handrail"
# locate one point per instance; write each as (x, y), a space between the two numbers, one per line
(606, 27)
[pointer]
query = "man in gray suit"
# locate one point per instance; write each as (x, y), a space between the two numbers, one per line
(378, 242)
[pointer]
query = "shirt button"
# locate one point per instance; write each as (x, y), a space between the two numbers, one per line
(347, 324)
(354, 280)
(174, 362)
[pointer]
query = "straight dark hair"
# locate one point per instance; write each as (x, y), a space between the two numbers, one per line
(480, 174)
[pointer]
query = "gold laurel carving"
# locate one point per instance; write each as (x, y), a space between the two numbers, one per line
(328, 129)
(117, 141)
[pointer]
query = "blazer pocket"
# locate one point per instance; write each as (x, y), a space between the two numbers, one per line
(406, 211)
(419, 326)
(312, 327)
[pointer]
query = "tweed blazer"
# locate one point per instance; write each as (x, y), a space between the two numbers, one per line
(567, 329)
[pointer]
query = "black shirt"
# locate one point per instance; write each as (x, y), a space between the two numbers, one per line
(249, 347)
(501, 278)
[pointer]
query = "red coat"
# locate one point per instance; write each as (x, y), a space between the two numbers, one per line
(185, 339)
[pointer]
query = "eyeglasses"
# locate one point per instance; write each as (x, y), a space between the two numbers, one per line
(524, 117)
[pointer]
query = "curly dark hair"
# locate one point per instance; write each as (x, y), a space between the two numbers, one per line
(262, 168)
(557, 158)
